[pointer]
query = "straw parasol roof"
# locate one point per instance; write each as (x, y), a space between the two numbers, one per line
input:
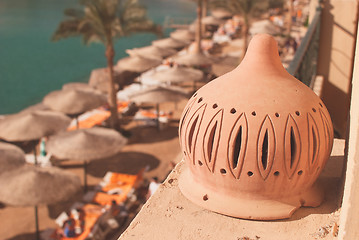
(182, 35)
(151, 52)
(31, 186)
(86, 144)
(137, 64)
(99, 79)
(264, 26)
(74, 101)
(221, 13)
(77, 85)
(224, 65)
(211, 20)
(178, 74)
(193, 59)
(32, 125)
(159, 94)
(169, 43)
(11, 157)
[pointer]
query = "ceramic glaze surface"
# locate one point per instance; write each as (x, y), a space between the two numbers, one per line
(255, 139)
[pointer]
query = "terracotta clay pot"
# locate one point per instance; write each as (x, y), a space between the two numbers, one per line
(255, 140)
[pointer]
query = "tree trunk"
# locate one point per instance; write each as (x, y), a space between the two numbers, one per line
(112, 99)
(198, 48)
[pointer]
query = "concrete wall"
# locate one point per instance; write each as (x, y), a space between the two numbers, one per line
(349, 220)
(335, 60)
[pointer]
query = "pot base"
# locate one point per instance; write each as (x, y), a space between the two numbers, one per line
(244, 205)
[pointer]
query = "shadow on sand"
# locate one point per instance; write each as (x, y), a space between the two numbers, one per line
(123, 162)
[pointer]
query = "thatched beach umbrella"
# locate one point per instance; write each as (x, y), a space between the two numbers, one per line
(178, 74)
(183, 35)
(169, 43)
(193, 59)
(224, 65)
(151, 52)
(264, 26)
(86, 145)
(137, 64)
(32, 125)
(32, 186)
(221, 13)
(74, 101)
(77, 85)
(11, 157)
(211, 20)
(157, 95)
(99, 79)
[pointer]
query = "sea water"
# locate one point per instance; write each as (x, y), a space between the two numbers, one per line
(31, 65)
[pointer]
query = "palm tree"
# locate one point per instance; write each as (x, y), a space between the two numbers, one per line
(102, 21)
(248, 9)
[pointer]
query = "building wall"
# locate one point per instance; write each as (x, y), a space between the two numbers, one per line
(349, 220)
(335, 60)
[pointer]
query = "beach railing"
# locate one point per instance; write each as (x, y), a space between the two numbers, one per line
(304, 64)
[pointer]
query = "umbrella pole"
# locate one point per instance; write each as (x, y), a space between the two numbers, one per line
(85, 176)
(77, 122)
(35, 157)
(37, 224)
(158, 116)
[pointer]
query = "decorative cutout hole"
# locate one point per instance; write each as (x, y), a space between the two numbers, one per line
(314, 110)
(297, 113)
(320, 104)
(223, 171)
(233, 111)
(195, 94)
(184, 153)
(237, 147)
(314, 144)
(190, 135)
(300, 172)
(215, 105)
(276, 114)
(205, 197)
(250, 173)
(200, 100)
(254, 113)
(276, 173)
(211, 142)
(293, 147)
(265, 151)
(200, 163)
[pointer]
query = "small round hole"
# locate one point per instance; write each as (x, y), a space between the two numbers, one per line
(314, 110)
(297, 112)
(205, 197)
(200, 100)
(233, 111)
(250, 173)
(276, 173)
(321, 104)
(215, 106)
(254, 113)
(277, 114)
(300, 172)
(223, 171)
(200, 163)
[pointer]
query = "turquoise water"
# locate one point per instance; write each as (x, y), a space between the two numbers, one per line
(31, 65)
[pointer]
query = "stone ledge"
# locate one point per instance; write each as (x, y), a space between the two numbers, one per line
(168, 215)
